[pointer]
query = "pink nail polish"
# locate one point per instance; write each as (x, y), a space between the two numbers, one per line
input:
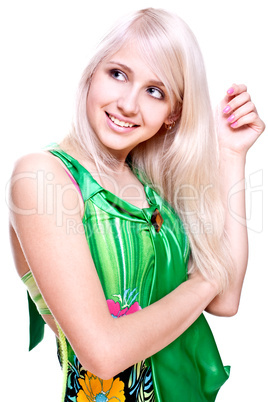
(231, 118)
(226, 109)
(234, 124)
(230, 91)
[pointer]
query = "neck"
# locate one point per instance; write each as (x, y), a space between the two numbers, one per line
(116, 160)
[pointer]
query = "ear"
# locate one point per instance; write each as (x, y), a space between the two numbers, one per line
(173, 117)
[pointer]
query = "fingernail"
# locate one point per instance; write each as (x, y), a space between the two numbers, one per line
(226, 109)
(231, 118)
(230, 91)
(234, 124)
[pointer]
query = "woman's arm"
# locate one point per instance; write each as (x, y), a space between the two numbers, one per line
(239, 126)
(43, 200)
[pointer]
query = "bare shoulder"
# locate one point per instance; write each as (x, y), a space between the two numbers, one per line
(38, 161)
(37, 181)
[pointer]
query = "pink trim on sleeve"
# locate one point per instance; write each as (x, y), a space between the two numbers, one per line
(74, 182)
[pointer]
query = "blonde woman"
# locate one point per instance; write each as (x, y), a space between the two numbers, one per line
(131, 238)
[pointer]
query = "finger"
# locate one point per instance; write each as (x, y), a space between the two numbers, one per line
(237, 102)
(241, 112)
(236, 89)
(248, 119)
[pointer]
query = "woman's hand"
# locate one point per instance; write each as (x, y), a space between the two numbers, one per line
(239, 124)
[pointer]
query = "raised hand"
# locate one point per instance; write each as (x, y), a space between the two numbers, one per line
(238, 122)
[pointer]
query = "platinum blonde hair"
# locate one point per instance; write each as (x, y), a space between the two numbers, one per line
(181, 163)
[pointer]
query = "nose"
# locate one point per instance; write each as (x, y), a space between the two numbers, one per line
(128, 101)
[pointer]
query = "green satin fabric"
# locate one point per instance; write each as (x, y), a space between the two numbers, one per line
(131, 258)
(35, 294)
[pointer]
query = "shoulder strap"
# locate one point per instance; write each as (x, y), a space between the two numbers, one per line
(86, 183)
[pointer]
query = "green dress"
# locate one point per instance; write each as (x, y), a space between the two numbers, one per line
(138, 263)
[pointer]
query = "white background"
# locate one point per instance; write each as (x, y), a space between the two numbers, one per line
(44, 47)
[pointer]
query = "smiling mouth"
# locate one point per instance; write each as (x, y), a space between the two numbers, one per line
(120, 123)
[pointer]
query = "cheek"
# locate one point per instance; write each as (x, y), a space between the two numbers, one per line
(156, 116)
(97, 91)
(92, 96)
(91, 110)
(94, 102)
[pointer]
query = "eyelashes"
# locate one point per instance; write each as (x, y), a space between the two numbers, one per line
(154, 92)
(118, 75)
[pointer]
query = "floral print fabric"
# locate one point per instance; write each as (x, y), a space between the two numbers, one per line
(133, 384)
(95, 389)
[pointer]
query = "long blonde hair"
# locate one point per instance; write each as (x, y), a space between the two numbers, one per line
(181, 163)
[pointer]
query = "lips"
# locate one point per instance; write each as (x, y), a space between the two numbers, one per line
(121, 123)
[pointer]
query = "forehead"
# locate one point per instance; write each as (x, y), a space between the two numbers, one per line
(131, 57)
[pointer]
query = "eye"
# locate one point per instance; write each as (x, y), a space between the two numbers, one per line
(156, 93)
(118, 75)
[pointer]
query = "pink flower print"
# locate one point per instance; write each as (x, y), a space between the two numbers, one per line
(126, 307)
(115, 308)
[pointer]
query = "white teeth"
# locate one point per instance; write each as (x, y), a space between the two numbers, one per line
(119, 122)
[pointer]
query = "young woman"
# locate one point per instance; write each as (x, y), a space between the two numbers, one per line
(123, 233)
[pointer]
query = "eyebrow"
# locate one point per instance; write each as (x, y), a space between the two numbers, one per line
(128, 69)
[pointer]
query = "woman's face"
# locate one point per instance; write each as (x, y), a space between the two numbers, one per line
(126, 104)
